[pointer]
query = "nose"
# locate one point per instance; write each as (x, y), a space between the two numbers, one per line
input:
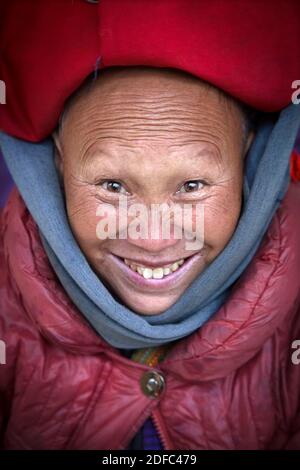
(152, 245)
(153, 236)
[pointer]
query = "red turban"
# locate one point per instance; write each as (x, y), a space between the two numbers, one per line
(249, 48)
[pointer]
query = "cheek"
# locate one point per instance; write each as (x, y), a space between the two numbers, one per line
(82, 216)
(221, 215)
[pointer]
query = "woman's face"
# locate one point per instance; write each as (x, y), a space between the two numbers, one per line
(151, 137)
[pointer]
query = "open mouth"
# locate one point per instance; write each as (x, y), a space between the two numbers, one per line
(154, 273)
(158, 277)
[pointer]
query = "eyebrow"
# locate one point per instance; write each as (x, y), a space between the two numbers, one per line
(94, 150)
(93, 154)
(209, 149)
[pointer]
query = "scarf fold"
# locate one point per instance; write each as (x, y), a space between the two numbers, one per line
(266, 179)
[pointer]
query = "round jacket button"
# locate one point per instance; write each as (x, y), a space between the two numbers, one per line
(152, 384)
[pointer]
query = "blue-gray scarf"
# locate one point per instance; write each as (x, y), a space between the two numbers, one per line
(266, 179)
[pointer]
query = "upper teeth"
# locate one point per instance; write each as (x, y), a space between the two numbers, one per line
(156, 273)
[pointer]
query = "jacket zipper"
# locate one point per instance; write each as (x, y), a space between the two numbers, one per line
(156, 423)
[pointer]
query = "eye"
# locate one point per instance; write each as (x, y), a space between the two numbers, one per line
(113, 187)
(191, 186)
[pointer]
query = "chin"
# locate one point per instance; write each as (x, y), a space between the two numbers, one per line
(150, 306)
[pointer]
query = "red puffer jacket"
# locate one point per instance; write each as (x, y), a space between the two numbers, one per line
(230, 385)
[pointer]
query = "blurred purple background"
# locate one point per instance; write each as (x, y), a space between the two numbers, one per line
(6, 182)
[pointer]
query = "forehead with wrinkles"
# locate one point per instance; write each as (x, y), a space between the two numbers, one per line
(136, 106)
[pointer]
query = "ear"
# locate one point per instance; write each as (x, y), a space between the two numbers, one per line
(249, 141)
(58, 153)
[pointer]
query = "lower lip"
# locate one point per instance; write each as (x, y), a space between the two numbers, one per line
(157, 284)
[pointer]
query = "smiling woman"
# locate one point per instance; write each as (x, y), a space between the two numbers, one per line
(174, 326)
(183, 142)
